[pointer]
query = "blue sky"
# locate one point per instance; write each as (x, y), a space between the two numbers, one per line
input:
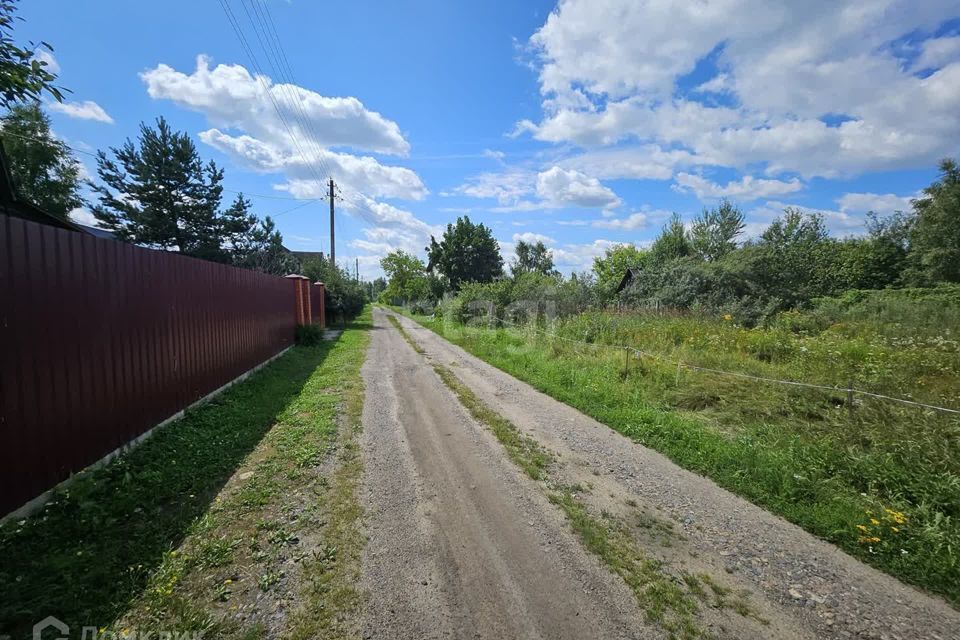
(583, 124)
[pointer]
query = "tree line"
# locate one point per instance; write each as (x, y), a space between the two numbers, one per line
(702, 266)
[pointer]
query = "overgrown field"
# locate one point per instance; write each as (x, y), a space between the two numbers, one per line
(238, 521)
(879, 479)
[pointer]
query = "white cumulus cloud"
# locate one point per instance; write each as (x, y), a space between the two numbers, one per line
(83, 216)
(568, 187)
(86, 110)
(881, 204)
(630, 223)
(229, 96)
(532, 238)
(553, 188)
(747, 188)
(610, 73)
(290, 130)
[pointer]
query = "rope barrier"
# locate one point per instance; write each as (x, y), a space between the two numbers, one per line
(747, 376)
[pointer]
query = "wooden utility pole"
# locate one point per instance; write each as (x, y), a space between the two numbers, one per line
(356, 268)
(333, 251)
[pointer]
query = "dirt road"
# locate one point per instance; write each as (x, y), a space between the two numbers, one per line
(462, 544)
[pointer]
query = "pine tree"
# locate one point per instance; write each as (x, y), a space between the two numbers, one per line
(43, 170)
(260, 246)
(158, 193)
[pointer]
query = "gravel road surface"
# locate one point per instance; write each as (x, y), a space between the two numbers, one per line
(461, 544)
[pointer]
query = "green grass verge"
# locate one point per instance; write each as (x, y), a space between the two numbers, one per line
(883, 484)
(153, 539)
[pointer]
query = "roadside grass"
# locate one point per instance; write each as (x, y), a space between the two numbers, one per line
(154, 541)
(331, 599)
(882, 481)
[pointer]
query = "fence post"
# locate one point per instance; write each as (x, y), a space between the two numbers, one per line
(850, 397)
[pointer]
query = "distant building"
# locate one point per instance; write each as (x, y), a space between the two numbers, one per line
(631, 274)
(98, 233)
(304, 256)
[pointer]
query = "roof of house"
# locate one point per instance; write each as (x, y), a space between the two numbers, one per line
(96, 232)
(308, 255)
(627, 278)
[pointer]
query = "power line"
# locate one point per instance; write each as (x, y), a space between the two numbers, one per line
(294, 208)
(31, 138)
(270, 44)
(292, 82)
(238, 31)
(270, 197)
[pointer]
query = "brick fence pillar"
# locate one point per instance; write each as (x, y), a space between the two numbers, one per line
(301, 310)
(305, 295)
(320, 298)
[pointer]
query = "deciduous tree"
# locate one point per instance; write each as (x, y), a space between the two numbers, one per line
(611, 267)
(467, 252)
(714, 232)
(672, 243)
(23, 76)
(935, 238)
(406, 276)
(532, 257)
(44, 171)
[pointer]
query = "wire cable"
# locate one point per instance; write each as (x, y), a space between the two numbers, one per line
(793, 383)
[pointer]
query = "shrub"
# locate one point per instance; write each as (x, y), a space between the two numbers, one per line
(309, 335)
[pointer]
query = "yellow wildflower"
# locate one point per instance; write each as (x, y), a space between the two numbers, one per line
(895, 530)
(874, 521)
(862, 528)
(727, 317)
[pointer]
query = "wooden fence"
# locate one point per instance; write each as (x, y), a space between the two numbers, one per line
(101, 340)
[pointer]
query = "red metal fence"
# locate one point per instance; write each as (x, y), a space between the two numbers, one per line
(101, 340)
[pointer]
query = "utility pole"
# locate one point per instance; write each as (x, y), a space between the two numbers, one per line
(333, 251)
(356, 268)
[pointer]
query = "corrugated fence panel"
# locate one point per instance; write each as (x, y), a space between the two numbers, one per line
(102, 340)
